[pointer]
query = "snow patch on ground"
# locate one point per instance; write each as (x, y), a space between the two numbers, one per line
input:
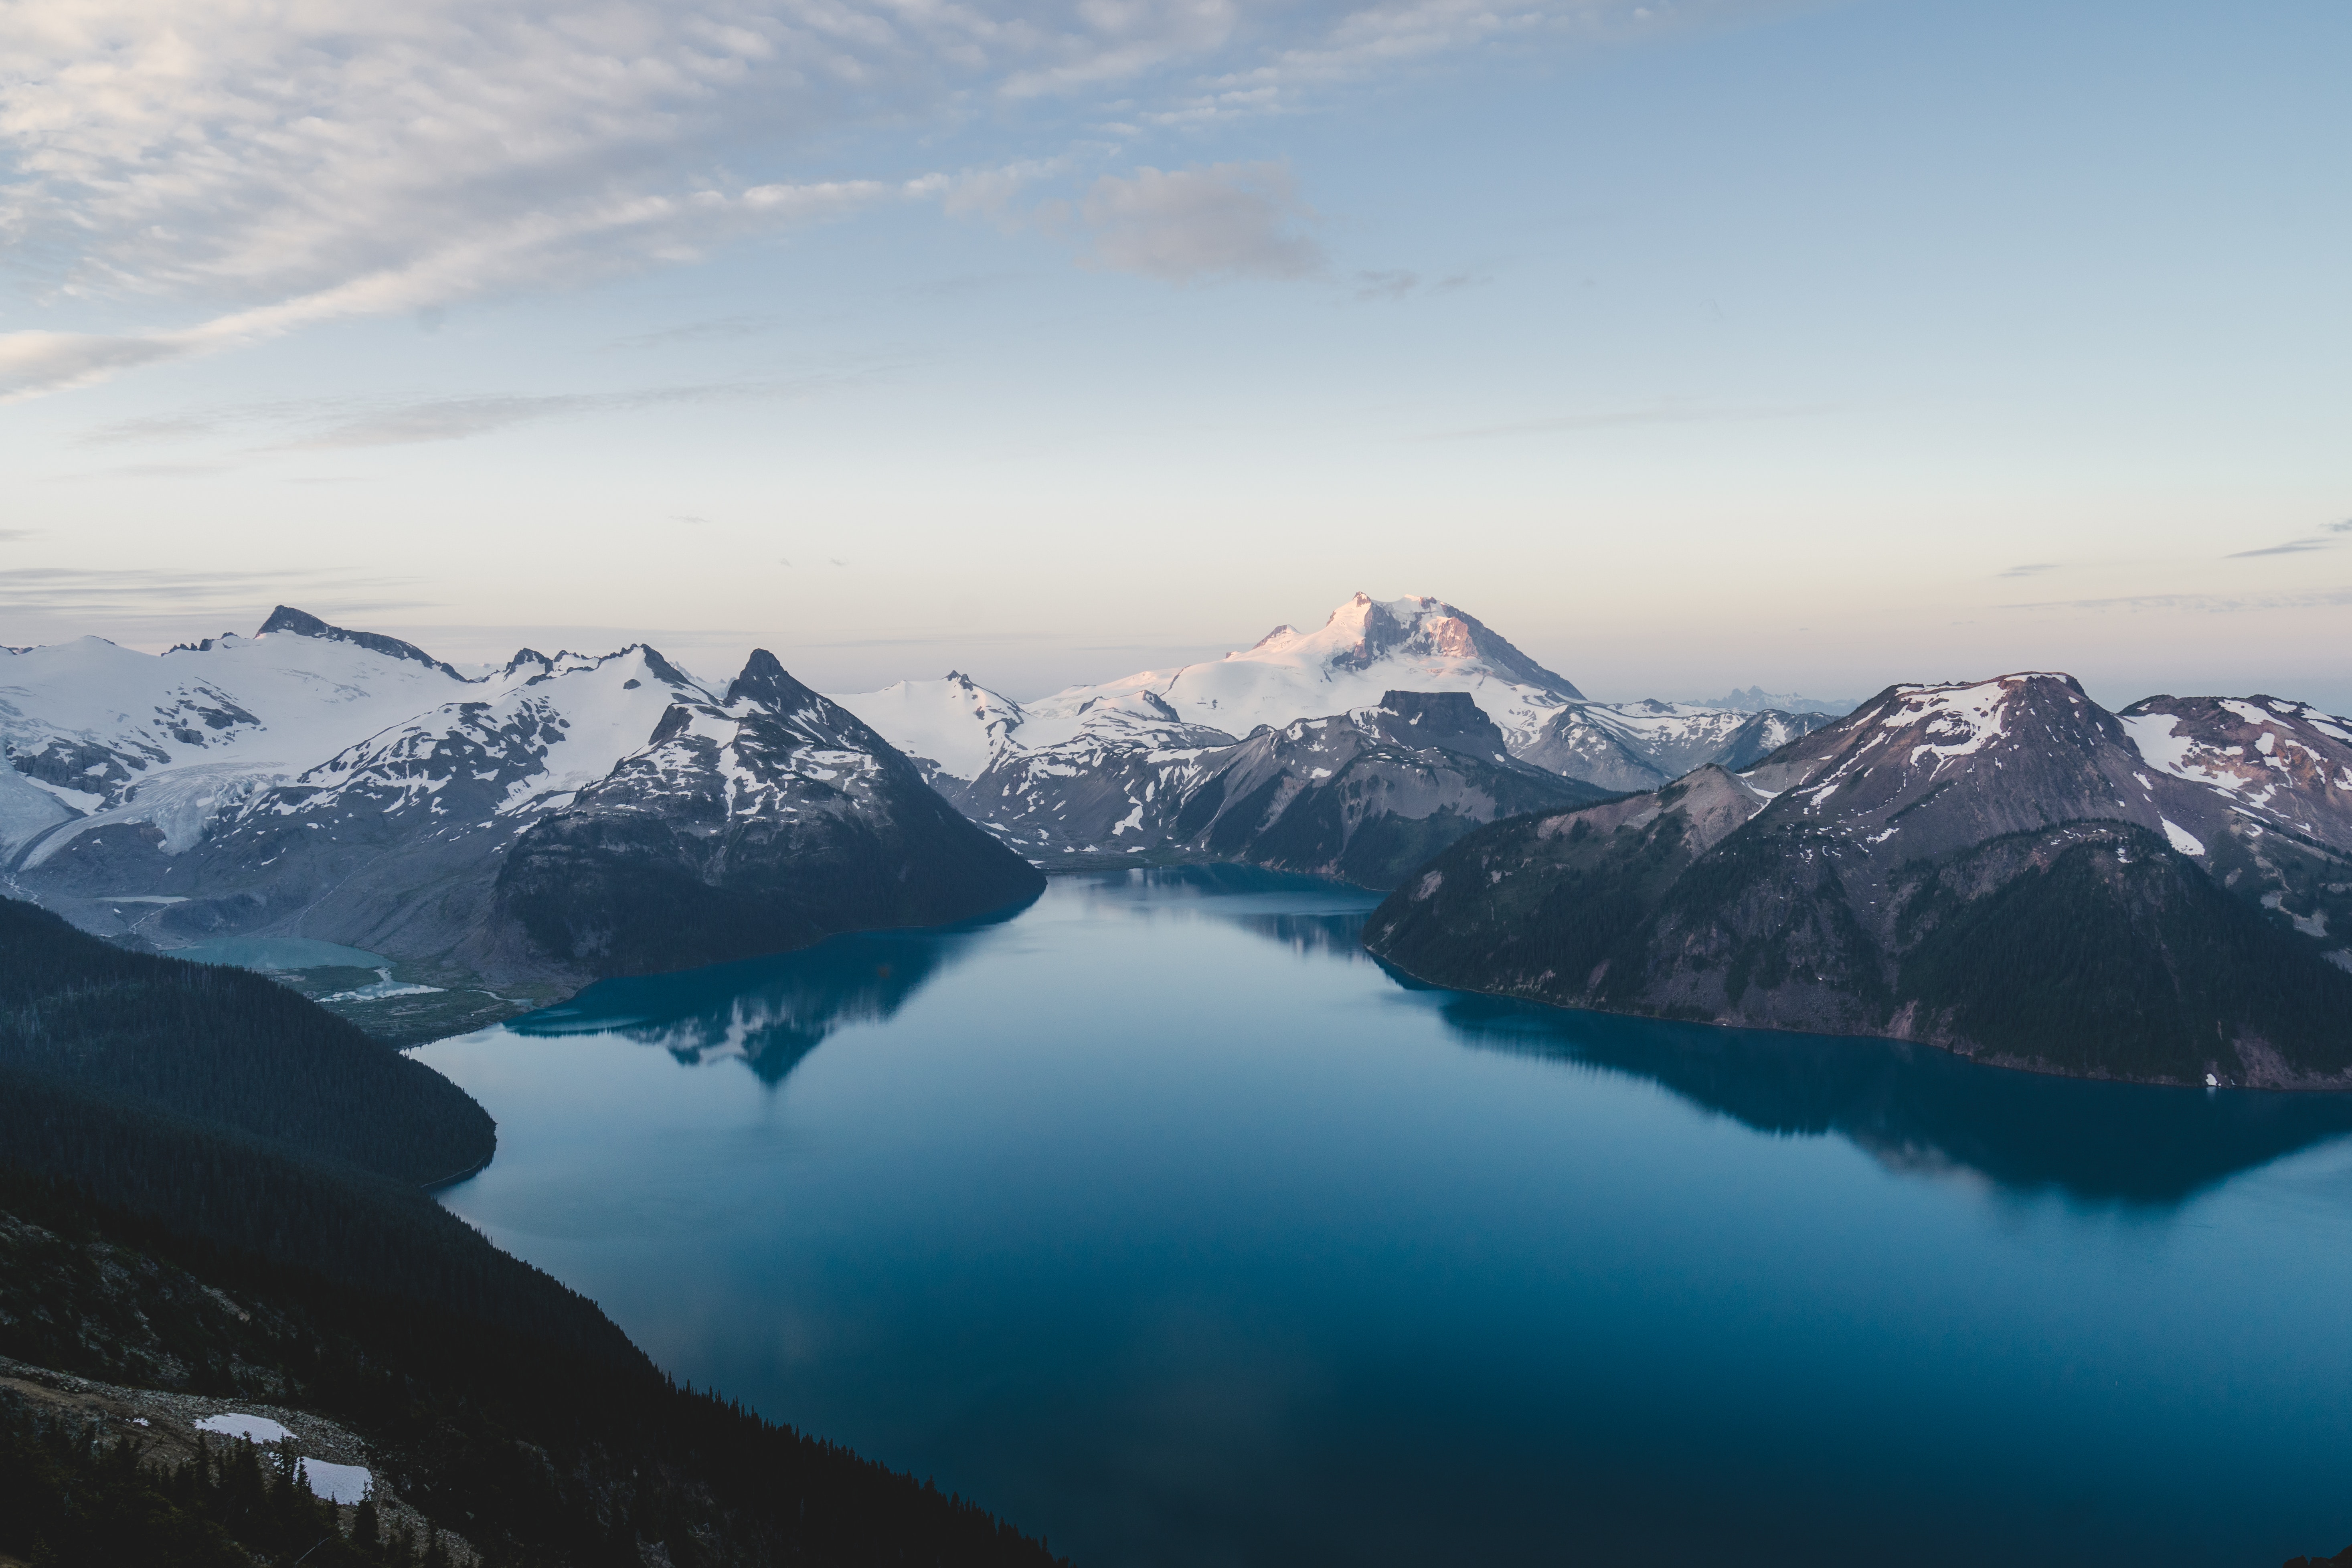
(2183, 839)
(336, 1483)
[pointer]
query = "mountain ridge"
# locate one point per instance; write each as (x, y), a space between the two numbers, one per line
(1875, 877)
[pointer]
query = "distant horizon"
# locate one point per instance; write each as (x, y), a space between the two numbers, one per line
(714, 660)
(1812, 344)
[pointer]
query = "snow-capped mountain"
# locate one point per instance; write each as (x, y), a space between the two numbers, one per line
(1643, 745)
(2004, 867)
(961, 731)
(754, 823)
(348, 786)
(1361, 795)
(97, 735)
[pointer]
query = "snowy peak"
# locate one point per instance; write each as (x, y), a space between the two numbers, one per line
(1366, 631)
(287, 620)
(1927, 769)
(951, 728)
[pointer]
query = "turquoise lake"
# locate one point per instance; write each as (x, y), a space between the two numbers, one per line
(1160, 1219)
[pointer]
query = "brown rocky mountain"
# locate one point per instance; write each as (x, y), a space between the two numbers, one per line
(1998, 867)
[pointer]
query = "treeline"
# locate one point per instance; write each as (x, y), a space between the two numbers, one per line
(364, 1230)
(228, 1047)
(535, 1454)
(67, 1501)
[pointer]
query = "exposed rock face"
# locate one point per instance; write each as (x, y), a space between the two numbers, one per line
(1992, 868)
(1362, 796)
(754, 825)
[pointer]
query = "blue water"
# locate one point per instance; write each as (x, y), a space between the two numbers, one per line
(278, 952)
(1163, 1221)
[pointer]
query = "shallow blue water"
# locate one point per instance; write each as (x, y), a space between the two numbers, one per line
(1160, 1219)
(272, 952)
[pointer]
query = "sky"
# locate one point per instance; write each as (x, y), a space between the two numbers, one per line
(1689, 346)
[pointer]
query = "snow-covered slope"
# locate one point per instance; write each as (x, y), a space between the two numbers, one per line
(173, 741)
(951, 728)
(1366, 647)
(749, 825)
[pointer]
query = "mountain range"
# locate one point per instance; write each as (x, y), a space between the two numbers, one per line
(2002, 867)
(1115, 767)
(315, 782)
(565, 816)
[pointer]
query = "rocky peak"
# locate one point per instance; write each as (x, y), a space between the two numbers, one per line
(765, 681)
(287, 620)
(1450, 719)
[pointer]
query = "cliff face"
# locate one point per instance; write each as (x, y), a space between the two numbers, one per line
(1995, 868)
(761, 823)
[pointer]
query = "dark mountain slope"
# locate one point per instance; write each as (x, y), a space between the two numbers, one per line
(1364, 797)
(1991, 868)
(754, 825)
(531, 1452)
(227, 1048)
(348, 1224)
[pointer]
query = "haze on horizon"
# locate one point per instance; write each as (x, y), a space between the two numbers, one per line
(1688, 345)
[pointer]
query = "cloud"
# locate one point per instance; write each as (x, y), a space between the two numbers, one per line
(10, 535)
(538, 248)
(1226, 220)
(230, 173)
(2211, 604)
(84, 591)
(1402, 285)
(2031, 568)
(720, 329)
(335, 424)
(1660, 414)
(2292, 547)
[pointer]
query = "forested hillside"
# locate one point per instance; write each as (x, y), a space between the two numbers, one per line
(532, 1453)
(227, 1048)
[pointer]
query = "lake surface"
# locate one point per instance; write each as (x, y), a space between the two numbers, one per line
(1163, 1221)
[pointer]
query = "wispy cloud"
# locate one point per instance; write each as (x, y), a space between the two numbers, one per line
(2292, 547)
(94, 591)
(2296, 546)
(540, 247)
(238, 172)
(1659, 414)
(1403, 285)
(720, 329)
(330, 424)
(2031, 568)
(1181, 226)
(2211, 604)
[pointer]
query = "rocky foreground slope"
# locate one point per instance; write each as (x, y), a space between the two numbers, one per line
(2003, 868)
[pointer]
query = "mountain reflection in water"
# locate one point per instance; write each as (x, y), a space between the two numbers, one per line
(1913, 1107)
(1164, 1221)
(767, 1013)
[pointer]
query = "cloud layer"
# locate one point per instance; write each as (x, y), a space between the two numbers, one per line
(247, 170)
